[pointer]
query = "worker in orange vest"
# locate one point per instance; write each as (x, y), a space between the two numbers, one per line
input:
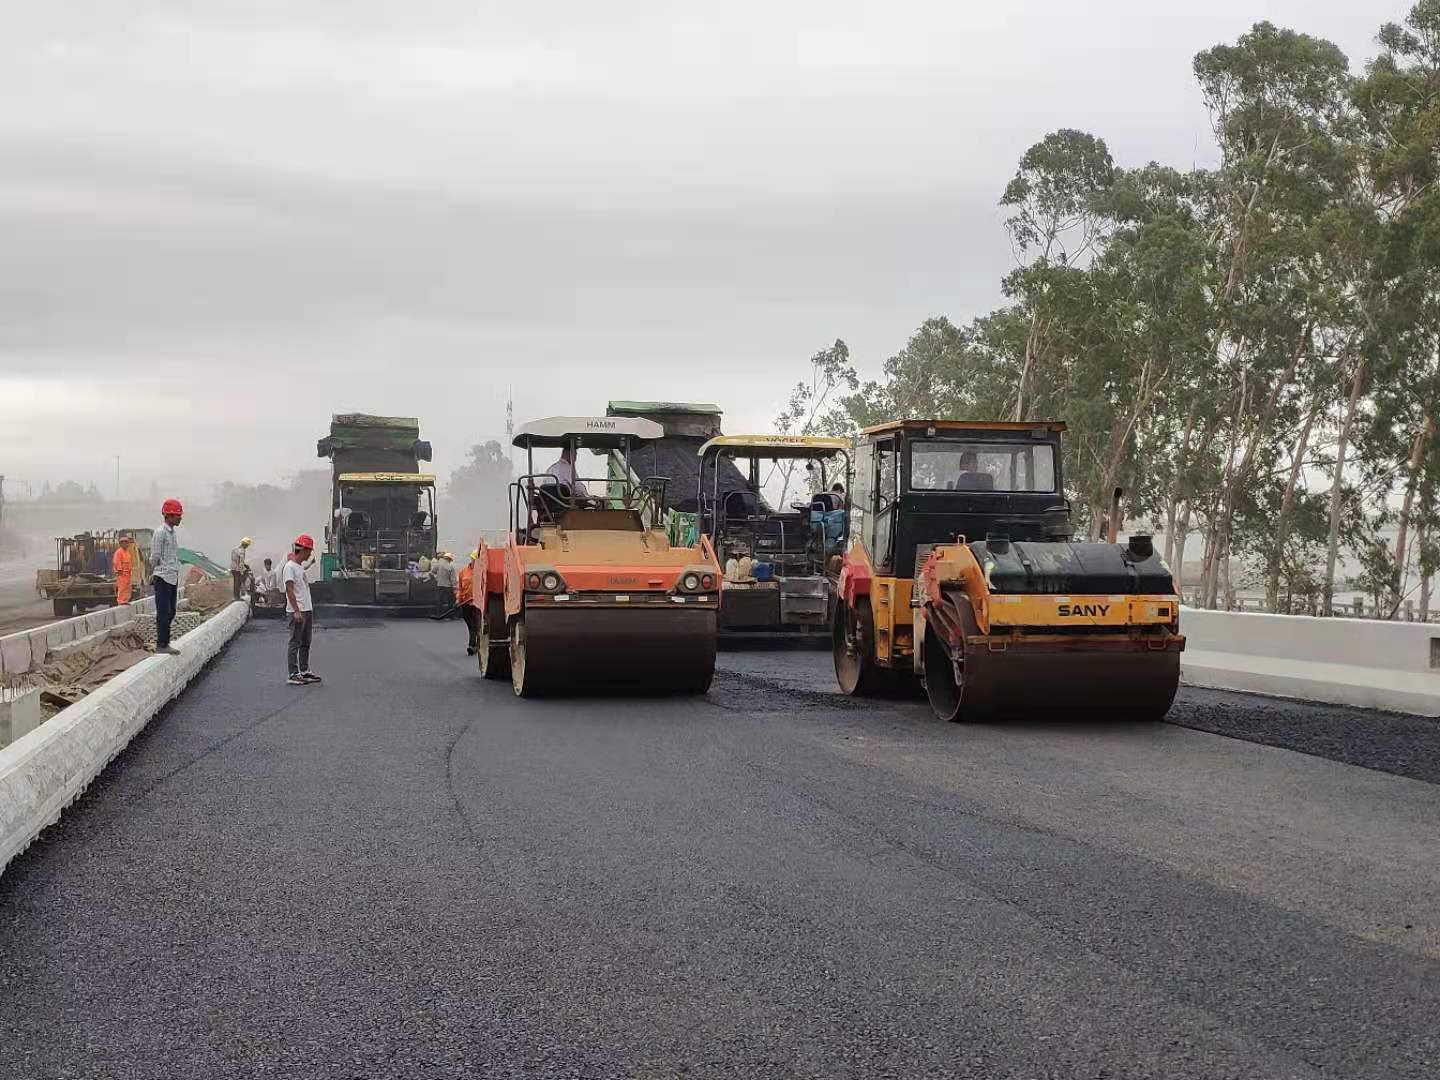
(463, 595)
(124, 563)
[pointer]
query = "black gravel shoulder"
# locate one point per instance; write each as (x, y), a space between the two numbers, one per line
(1398, 743)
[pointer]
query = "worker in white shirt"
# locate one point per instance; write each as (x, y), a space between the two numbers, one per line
(268, 579)
(564, 471)
(445, 577)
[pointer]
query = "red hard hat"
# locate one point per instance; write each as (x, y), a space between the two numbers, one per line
(172, 506)
(304, 540)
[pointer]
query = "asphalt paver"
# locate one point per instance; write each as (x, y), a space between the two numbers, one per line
(407, 872)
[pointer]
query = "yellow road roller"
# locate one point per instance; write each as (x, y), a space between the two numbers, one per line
(588, 593)
(963, 574)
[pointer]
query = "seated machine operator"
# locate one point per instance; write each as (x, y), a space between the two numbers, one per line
(564, 471)
(971, 477)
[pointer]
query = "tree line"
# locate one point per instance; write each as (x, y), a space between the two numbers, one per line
(1251, 350)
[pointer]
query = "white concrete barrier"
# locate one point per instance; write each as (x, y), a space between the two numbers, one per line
(1364, 662)
(43, 772)
(27, 649)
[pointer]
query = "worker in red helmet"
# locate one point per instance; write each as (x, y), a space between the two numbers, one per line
(300, 612)
(165, 573)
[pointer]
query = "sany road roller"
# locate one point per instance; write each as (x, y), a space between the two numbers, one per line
(963, 572)
(588, 593)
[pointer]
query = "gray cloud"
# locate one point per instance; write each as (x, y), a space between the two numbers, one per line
(241, 216)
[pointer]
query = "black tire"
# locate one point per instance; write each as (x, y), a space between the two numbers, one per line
(852, 639)
(64, 608)
(493, 649)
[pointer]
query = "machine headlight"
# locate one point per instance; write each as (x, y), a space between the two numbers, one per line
(533, 581)
(691, 582)
(552, 582)
(707, 582)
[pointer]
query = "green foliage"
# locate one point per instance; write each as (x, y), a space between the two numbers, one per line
(1252, 351)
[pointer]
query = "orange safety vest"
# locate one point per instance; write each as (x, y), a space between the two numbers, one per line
(467, 585)
(122, 563)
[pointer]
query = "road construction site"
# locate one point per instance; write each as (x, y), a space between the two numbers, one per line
(680, 795)
(408, 871)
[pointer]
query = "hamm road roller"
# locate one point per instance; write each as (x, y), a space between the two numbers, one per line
(588, 593)
(963, 572)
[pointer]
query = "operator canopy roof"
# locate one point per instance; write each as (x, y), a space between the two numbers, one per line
(777, 446)
(590, 432)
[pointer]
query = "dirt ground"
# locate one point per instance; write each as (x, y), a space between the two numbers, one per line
(20, 607)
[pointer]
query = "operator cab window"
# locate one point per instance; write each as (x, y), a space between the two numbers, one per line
(982, 466)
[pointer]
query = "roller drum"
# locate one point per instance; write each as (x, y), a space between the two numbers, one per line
(652, 649)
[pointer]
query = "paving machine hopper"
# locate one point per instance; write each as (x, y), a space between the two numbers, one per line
(963, 573)
(588, 592)
(776, 560)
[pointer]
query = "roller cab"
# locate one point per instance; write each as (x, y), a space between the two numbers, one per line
(588, 593)
(963, 576)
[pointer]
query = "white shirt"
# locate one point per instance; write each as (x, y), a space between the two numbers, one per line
(165, 555)
(564, 471)
(444, 573)
(267, 580)
(294, 572)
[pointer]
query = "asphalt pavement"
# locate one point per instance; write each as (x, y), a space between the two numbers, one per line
(406, 872)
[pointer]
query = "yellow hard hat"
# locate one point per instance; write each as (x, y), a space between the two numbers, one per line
(474, 555)
(245, 541)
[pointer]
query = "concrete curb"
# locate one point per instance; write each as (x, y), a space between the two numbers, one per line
(45, 771)
(1364, 663)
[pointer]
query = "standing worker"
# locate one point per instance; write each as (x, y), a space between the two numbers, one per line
(444, 571)
(165, 557)
(239, 568)
(300, 611)
(124, 564)
(463, 596)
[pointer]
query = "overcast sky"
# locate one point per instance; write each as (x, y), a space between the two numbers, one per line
(222, 221)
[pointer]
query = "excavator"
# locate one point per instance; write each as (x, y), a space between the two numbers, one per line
(964, 575)
(588, 593)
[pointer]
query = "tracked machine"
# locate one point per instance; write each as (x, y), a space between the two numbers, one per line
(588, 593)
(963, 573)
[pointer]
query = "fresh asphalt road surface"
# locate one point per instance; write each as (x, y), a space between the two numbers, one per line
(407, 872)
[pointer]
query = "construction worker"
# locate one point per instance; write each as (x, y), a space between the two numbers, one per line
(444, 570)
(300, 611)
(239, 568)
(463, 595)
(165, 580)
(123, 562)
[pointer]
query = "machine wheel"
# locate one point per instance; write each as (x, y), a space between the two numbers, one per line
(493, 648)
(64, 608)
(523, 687)
(944, 678)
(853, 642)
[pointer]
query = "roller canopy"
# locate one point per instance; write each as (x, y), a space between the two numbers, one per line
(591, 432)
(777, 446)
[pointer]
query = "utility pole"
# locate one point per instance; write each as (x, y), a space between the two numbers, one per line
(117, 477)
(510, 428)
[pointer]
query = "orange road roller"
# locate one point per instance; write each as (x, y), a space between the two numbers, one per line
(587, 594)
